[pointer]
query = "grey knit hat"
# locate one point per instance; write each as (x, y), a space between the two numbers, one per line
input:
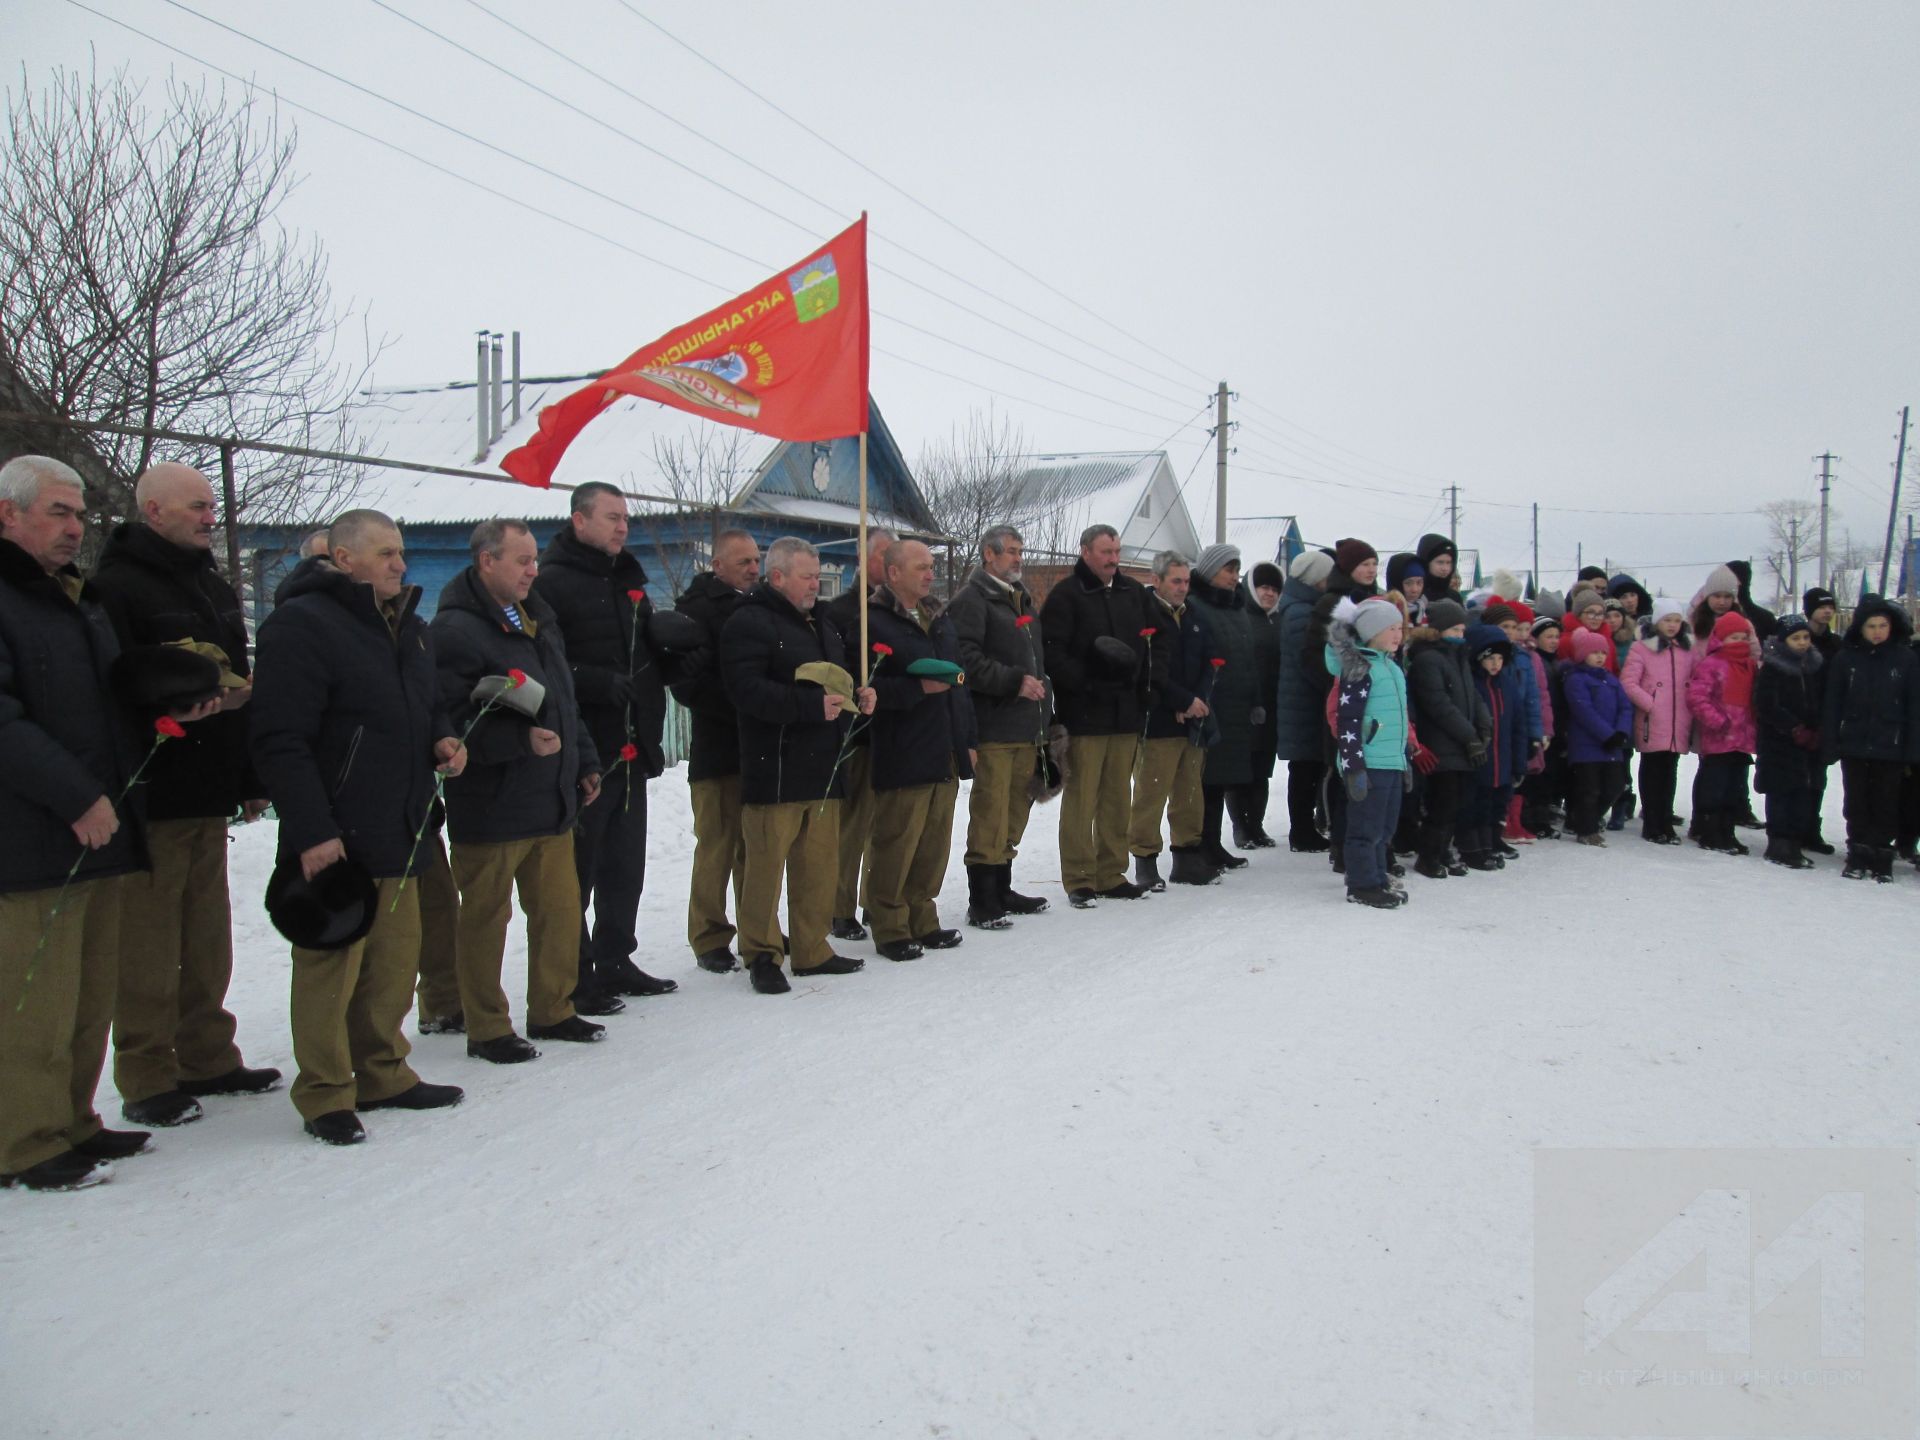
(1311, 567)
(1722, 581)
(1549, 602)
(1372, 617)
(1214, 559)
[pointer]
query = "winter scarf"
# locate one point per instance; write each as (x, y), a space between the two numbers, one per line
(1738, 657)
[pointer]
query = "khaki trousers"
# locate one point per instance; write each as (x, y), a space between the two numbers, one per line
(856, 829)
(719, 859)
(1094, 809)
(439, 988)
(1166, 777)
(56, 1007)
(998, 808)
(170, 1021)
(912, 838)
(800, 842)
(541, 868)
(348, 1006)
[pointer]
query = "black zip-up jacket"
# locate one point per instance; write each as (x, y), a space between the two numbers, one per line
(1190, 653)
(619, 681)
(714, 747)
(65, 739)
(1788, 691)
(1872, 705)
(1447, 709)
(506, 791)
(1230, 616)
(157, 592)
(345, 714)
(1078, 610)
(918, 739)
(998, 652)
(788, 748)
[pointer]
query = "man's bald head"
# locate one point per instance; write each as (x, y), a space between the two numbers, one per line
(909, 571)
(176, 503)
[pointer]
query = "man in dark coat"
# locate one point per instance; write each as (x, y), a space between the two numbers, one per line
(856, 779)
(530, 770)
(1300, 715)
(1004, 657)
(792, 730)
(1167, 763)
(597, 590)
(346, 731)
(71, 838)
(923, 747)
(1102, 703)
(713, 756)
(172, 1033)
(1232, 691)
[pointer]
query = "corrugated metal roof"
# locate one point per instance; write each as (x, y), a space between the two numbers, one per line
(1066, 479)
(1260, 537)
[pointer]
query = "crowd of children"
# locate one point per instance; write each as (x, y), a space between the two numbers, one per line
(1462, 726)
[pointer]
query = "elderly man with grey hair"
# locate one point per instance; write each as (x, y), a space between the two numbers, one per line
(1105, 670)
(1005, 660)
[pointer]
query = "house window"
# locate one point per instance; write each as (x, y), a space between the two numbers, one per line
(829, 584)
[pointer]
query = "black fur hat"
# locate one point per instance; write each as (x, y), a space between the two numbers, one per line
(159, 678)
(673, 632)
(1114, 658)
(332, 910)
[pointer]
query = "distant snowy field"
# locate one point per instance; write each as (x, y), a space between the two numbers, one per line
(1246, 1161)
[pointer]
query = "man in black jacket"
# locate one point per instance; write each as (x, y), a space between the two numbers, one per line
(1103, 707)
(1168, 765)
(597, 589)
(713, 757)
(1001, 650)
(172, 1033)
(70, 838)
(346, 732)
(856, 778)
(791, 733)
(923, 746)
(510, 816)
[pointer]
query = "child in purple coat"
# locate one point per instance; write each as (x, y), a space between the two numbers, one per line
(1599, 732)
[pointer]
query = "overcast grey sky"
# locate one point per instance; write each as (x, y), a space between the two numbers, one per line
(1614, 257)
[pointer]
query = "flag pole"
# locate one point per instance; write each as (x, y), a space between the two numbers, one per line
(860, 559)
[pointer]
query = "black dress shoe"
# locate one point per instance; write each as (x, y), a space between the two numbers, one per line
(1082, 899)
(938, 940)
(899, 950)
(845, 927)
(508, 1049)
(1432, 869)
(767, 979)
(573, 1028)
(114, 1144)
(237, 1081)
(1125, 890)
(597, 1002)
(337, 1127)
(69, 1170)
(627, 978)
(170, 1107)
(832, 965)
(1222, 858)
(454, 1024)
(717, 962)
(419, 1097)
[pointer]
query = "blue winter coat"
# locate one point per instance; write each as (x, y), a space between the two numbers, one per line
(1299, 712)
(1597, 709)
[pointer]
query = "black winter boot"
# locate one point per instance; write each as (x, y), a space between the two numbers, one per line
(1146, 872)
(1817, 843)
(1782, 851)
(1883, 864)
(984, 911)
(1011, 900)
(1190, 867)
(1859, 863)
(1222, 858)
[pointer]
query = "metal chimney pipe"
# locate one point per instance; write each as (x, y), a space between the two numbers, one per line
(493, 404)
(516, 377)
(480, 395)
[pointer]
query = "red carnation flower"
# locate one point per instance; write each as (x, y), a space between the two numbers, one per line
(1022, 622)
(881, 648)
(517, 678)
(636, 596)
(1217, 662)
(170, 728)
(629, 751)
(1149, 632)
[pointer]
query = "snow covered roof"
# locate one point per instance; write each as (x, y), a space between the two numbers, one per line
(1261, 537)
(1132, 490)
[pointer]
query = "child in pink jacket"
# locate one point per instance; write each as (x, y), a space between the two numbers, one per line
(1721, 697)
(1656, 673)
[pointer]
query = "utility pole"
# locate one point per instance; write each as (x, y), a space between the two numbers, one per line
(1893, 508)
(1220, 466)
(1453, 516)
(1906, 560)
(1536, 545)
(1793, 556)
(1579, 557)
(1826, 486)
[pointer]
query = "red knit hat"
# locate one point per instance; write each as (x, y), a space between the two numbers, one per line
(1730, 624)
(1522, 612)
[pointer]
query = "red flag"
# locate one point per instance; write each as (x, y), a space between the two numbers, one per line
(788, 359)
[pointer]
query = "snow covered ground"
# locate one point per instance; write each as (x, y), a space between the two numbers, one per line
(1239, 1162)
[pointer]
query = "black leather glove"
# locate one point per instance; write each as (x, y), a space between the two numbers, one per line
(620, 689)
